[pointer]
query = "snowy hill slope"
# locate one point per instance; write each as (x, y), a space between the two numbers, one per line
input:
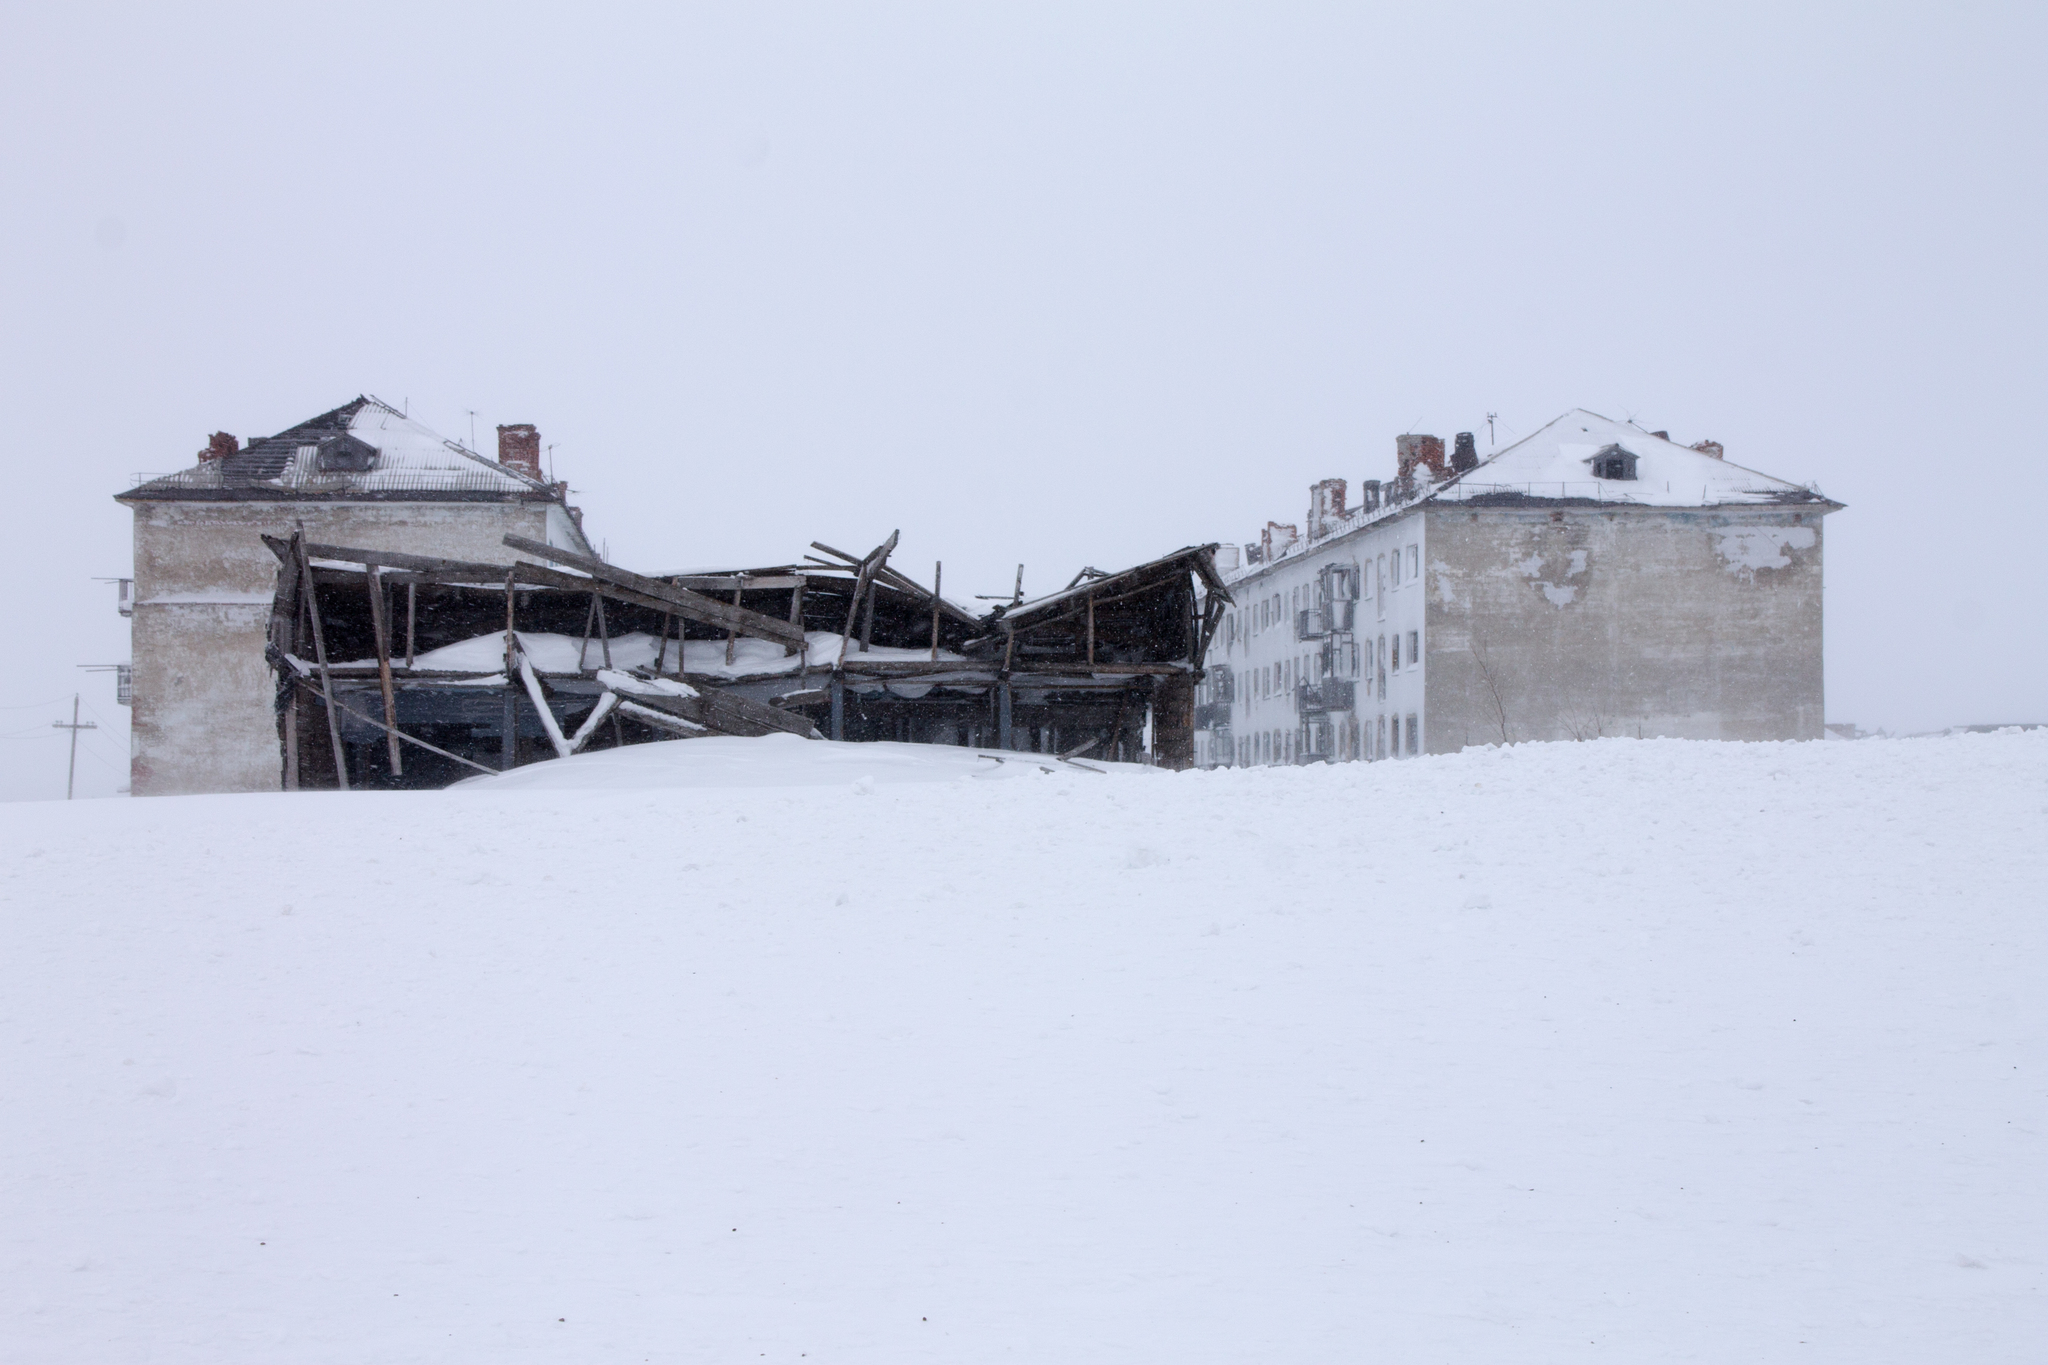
(1624, 1051)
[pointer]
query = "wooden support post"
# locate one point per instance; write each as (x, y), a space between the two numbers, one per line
(867, 627)
(838, 706)
(412, 603)
(796, 618)
(604, 630)
(938, 578)
(402, 735)
(1017, 597)
(508, 747)
(589, 625)
(291, 743)
(511, 626)
(320, 657)
(1004, 737)
(732, 636)
(661, 650)
(380, 628)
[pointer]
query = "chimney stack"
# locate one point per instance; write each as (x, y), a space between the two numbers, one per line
(1368, 495)
(1466, 456)
(219, 446)
(1325, 507)
(519, 448)
(1411, 450)
(1712, 448)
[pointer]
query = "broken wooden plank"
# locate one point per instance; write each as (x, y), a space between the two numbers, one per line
(694, 606)
(394, 559)
(688, 729)
(548, 722)
(333, 706)
(380, 630)
(901, 582)
(320, 657)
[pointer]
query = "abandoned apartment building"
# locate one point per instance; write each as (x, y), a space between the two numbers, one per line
(357, 602)
(1593, 579)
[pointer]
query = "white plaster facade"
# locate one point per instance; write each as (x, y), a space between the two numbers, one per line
(1502, 602)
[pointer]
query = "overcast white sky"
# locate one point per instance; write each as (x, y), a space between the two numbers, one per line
(1051, 283)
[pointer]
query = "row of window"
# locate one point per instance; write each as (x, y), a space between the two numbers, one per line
(1279, 679)
(1385, 737)
(1283, 609)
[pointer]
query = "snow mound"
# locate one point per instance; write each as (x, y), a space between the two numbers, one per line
(782, 761)
(1623, 1051)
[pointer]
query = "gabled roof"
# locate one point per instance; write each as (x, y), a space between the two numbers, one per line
(409, 460)
(1557, 462)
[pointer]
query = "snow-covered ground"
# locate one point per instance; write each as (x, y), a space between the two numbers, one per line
(1625, 1051)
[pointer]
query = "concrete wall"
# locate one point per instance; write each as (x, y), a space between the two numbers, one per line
(1697, 623)
(203, 718)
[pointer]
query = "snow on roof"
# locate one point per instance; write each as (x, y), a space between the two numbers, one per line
(1557, 462)
(321, 458)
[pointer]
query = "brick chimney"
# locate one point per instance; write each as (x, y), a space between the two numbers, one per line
(519, 448)
(1712, 448)
(1411, 450)
(1466, 455)
(219, 446)
(1325, 507)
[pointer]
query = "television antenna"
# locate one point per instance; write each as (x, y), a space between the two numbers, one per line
(1489, 428)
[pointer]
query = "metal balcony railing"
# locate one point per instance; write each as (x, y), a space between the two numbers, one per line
(1331, 694)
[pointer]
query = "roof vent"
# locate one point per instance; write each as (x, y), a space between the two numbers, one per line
(345, 454)
(1613, 462)
(1466, 455)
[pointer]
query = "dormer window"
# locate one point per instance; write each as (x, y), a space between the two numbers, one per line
(1613, 462)
(345, 454)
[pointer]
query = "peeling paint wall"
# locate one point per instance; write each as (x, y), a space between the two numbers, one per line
(203, 716)
(1589, 622)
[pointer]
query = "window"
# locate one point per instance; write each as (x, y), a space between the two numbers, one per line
(1414, 736)
(1396, 665)
(1380, 750)
(1414, 562)
(1394, 579)
(1414, 648)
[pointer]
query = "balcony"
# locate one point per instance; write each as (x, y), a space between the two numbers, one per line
(1309, 624)
(1331, 694)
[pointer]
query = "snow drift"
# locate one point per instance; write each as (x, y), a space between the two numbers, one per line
(1622, 1051)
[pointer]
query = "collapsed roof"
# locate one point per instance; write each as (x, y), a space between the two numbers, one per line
(419, 669)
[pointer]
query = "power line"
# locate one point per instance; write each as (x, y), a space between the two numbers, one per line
(71, 780)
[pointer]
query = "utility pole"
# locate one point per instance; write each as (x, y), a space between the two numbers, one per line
(71, 778)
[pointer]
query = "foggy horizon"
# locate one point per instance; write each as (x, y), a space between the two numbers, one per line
(1068, 287)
